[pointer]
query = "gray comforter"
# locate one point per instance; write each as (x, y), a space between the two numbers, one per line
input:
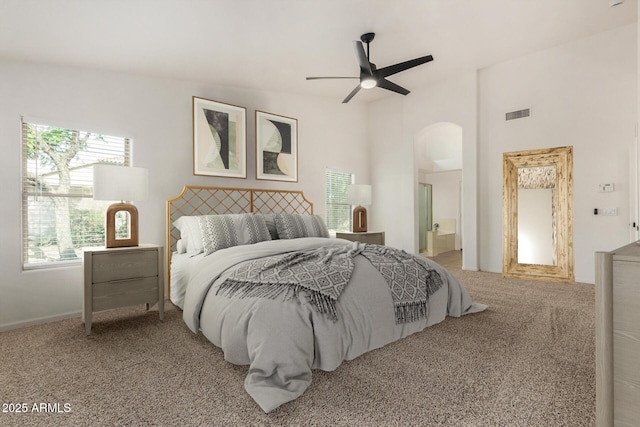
(283, 341)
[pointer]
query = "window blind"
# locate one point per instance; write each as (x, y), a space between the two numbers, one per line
(59, 215)
(337, 208)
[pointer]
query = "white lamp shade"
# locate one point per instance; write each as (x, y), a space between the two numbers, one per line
(359, 194)
(124, 183)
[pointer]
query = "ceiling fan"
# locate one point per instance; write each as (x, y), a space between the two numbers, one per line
(370, 76)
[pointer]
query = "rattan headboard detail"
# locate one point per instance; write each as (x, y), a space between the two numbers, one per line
(194, 200)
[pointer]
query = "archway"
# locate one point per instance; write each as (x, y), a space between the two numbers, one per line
(438, 172)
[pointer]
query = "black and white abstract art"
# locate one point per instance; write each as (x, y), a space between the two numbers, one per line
(276, 147)
(219, 139)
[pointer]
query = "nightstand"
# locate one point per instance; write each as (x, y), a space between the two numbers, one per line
(371, 237)
(120, 277)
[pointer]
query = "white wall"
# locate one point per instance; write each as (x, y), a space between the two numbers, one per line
(438, 148)
(634, 161)
(391, 175)
(581, 94)
(157, 115)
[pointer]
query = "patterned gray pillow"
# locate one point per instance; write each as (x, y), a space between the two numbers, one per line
(270, 220)
(224, 231)
(293, 226)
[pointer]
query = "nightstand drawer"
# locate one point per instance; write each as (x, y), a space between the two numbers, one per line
(121, 293)
(117, 266)
(370, 237)
(120, 277)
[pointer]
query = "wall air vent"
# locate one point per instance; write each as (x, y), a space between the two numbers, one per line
(518, 114)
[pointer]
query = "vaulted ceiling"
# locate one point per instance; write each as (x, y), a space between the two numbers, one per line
(275, 44)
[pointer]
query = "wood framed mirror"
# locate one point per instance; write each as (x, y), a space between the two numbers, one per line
(537, 214)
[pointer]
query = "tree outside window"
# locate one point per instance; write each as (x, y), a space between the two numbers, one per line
(60, 216)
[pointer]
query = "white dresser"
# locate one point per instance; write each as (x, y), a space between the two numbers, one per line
(618, 337)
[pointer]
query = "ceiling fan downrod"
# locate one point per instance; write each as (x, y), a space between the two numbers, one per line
(367, 38)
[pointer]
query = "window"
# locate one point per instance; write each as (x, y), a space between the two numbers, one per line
(338, 210)
(59, 215)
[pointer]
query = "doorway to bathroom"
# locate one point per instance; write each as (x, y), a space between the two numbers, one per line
(438, 158)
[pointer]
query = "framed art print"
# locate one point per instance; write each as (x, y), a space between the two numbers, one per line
(276, 147)
(219, 139)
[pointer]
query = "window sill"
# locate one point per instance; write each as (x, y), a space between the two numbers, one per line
(51, 265)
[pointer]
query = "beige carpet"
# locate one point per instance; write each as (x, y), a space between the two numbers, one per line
(526, 361)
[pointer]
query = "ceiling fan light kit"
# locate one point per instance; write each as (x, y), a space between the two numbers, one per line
(370, 75)
(368, 83)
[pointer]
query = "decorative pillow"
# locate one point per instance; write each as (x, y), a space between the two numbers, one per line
(293, 226)
(190, 234)
(224, 231)
(180, 247)
(270, 220)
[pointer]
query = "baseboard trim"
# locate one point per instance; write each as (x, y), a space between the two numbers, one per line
(39, 321)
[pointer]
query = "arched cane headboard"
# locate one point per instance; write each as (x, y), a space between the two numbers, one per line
(196, 200)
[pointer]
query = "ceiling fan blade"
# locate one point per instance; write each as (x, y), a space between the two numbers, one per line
(352, 94)
(363, 61)
(320, 78)
(386, 84)
(393, 69)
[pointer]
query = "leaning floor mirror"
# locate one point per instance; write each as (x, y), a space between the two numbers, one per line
(537, 211)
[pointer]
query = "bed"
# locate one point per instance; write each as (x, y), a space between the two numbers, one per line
(265, 283)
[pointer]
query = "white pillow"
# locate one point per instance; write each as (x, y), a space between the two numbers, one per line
(190, 234)
(293, 226)
(180, 247)
(224, 231)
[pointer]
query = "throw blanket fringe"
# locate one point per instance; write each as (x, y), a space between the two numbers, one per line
(410, 312)
(411, 280)
(323, 304)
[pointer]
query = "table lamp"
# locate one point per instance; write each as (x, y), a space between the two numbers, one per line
(359, 195)
(111, 182)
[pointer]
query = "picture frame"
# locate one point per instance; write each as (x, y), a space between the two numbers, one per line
(219, 139)
(276, 147)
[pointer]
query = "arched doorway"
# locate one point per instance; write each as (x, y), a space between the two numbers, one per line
(438, 166)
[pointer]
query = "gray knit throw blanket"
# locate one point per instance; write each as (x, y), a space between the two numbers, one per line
(411, 280)
(323, 273)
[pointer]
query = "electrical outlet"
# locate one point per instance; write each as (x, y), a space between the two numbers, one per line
(608, 212)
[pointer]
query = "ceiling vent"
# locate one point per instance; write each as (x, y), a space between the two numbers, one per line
(519, 114)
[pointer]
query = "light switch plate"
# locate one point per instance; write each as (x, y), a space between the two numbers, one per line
(606, 188)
